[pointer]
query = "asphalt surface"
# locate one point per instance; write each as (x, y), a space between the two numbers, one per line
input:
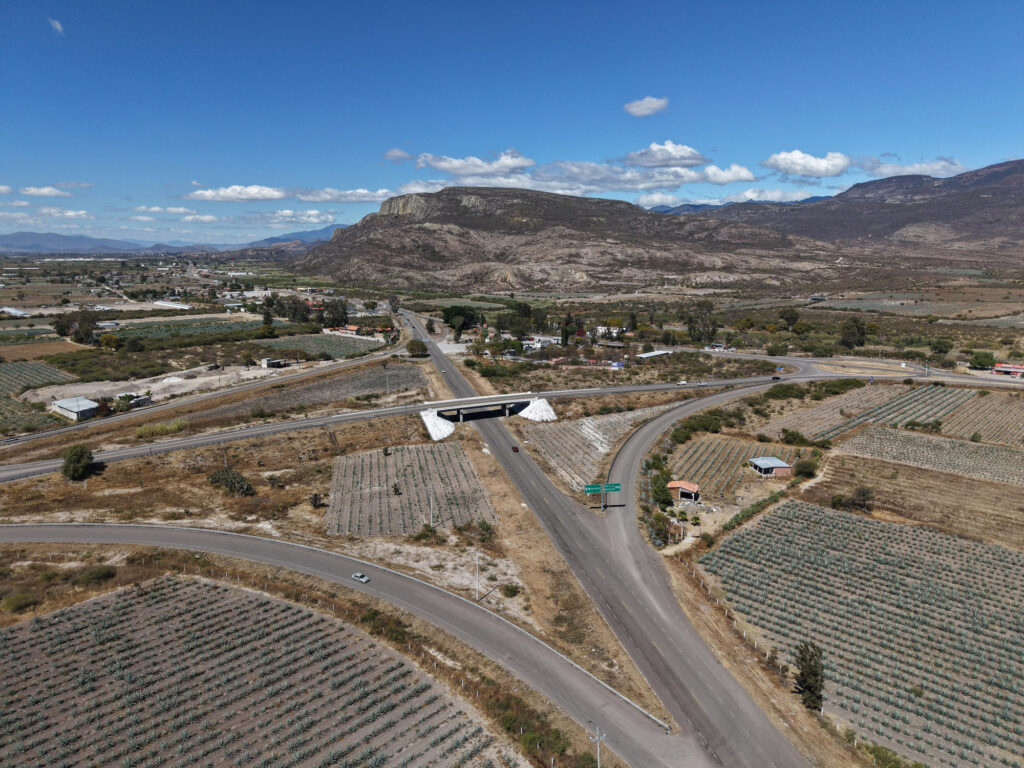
(719, 723)
(634, 735)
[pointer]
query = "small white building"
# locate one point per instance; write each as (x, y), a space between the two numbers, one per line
(769, 466)
(75, 408)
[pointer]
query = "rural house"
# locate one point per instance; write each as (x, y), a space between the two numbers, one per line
(75, 408)
(769, 466)
(683, 490)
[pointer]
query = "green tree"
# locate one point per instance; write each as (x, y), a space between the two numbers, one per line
(416, 348)
(941, 346)
(810, 674)
(456, 323)
(852, 333)
(268, 317)
(789, 315)
(983, 360)
(861, 498)
(430, 325)
(805, 468)
(77, 462)
(701, 322)
(660, 493)
(336, 313)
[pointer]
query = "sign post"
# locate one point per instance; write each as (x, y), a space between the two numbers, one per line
(604, 489)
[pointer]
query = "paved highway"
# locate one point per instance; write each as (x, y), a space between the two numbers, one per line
(634, 735)
(720, 724)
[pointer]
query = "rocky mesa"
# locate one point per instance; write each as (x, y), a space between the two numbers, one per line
(500, 239)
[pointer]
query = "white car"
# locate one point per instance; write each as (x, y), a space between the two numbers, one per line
(362, 578)
(681, 382)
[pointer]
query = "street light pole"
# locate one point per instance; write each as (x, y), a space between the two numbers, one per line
(598, 737)
(478, 576)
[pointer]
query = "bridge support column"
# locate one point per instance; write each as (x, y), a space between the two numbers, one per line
(460, 416)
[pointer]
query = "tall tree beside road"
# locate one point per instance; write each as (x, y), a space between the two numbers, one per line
(77, 462)
(789, 315)
(853, 333)
(810, 674)
(700, 321)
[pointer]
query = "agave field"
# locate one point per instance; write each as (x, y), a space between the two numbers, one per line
(324, 344)
(188, 327)
(996, 417)
(364, 502)
(922, 404)
(716, 462)
(16, 416)
(916, 305)
(369, 381)
(828, 414)
(574, 449)
(184, 673)
(922, 632)
(24, 335)
(985, 462)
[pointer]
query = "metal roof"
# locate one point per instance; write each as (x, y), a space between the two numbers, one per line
(76, 404)
(768, 462)
(655, 353)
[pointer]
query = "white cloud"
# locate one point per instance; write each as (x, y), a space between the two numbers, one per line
(649, 105)
(420, 187)
(667, 155)
(797, 163)
(652, 199)
(238, 193)
(396, 155)
(158, 209)
(57, 26)
(202, 218)
(940, 166)
(17, 216)
(143, 218)
(508, 161)
(18, 204)
(728, 175)
(5, 190)
(287, 218)
(62, 213)
(329, 195)
(44, 192)
(74, 184)
(196, 183)
(767, 196)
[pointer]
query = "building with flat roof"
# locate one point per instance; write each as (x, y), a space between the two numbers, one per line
(75, 408)
(769, 466)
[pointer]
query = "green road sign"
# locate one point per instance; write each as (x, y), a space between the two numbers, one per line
(612, 487)
(595, 488)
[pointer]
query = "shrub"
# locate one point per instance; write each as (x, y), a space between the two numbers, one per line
(708, 539)
(77, 462)
(805, 468)
(19, 601)
(763, 438)
(96, 574)
(232, 481)
(976, 437)
(161, 429)
(776, 350)
(510, 590)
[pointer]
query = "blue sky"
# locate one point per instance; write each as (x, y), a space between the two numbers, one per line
(224, 122)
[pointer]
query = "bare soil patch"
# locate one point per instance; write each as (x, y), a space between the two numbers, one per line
(11, 352)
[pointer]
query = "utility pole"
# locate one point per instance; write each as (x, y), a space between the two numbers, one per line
(478, 576)
(431, 507)
(598, 737)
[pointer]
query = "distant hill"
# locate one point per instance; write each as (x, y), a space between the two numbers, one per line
(489, 238)
(50, 242)
(699, 207)
(982, 209)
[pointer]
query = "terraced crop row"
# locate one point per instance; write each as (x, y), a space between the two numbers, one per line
(997, 417)
(574, 449)
(716, 462)
(189, 327)
(370, 381)
(922, 632)
(819, 419)
(923, 404)
(985, 462)
(14, 377)
(439, 475)
(177, 672)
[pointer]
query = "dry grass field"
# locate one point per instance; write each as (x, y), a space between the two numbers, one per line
(181, 671)
(981, 509)
(35, 351)
(996, 417)
(817, 419)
